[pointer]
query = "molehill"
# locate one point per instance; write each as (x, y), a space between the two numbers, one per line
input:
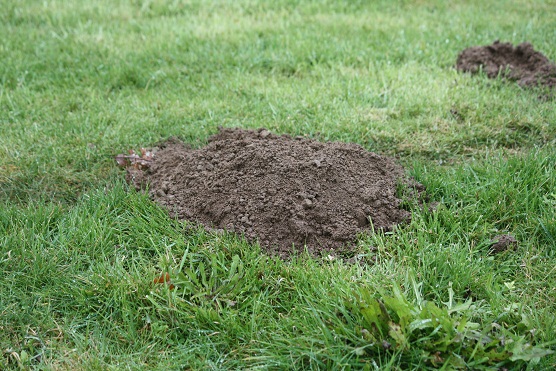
(286, 193)
(521, 63)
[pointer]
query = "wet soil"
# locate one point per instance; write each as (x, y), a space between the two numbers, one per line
(286, 193)
(521, 63)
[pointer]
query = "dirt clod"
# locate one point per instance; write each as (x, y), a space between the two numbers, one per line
(279, 190)
(503, 242)
(521, 63)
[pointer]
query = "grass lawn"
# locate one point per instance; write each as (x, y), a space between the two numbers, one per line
(81, 81)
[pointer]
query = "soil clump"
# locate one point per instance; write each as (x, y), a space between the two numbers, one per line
(502, 243)
(521, 63)
(278, 190)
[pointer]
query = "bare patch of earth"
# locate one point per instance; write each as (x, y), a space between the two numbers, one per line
(286, 193)
(521, 63)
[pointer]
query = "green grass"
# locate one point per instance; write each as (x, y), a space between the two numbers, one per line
(82, 81)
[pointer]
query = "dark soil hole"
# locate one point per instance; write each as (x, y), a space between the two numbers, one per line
(278, 190)
(521, 63)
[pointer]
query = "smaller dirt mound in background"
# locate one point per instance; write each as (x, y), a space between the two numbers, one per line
(522, 63)
(279, 190)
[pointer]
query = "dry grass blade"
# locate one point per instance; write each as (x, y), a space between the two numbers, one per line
(134, 160)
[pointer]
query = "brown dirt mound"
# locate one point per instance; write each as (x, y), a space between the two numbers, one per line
(279, 190)
(522, 63)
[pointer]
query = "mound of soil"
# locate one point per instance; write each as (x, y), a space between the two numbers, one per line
(278, 190)
(522, 63)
